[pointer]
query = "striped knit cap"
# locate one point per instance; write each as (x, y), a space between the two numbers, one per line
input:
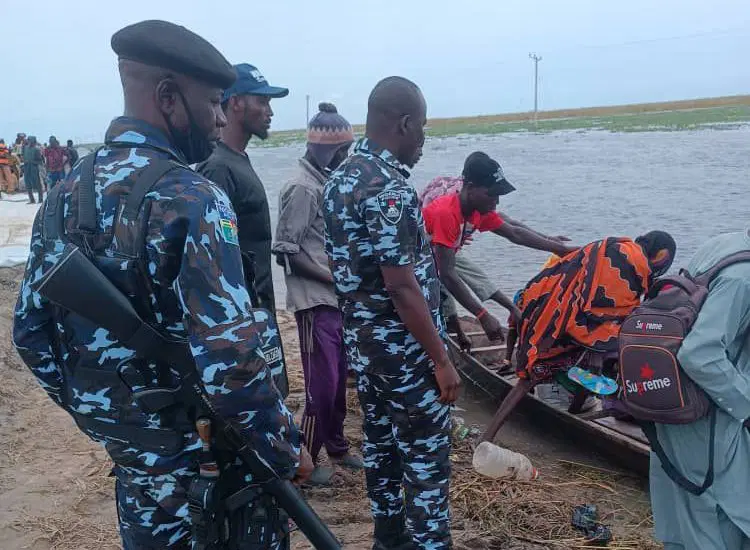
(327, 132)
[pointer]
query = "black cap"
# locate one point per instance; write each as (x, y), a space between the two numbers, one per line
(480, 169)
(163, 44)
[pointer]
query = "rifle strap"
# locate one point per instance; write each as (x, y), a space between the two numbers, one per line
(53, 226)
(649, 429)
(87, 195)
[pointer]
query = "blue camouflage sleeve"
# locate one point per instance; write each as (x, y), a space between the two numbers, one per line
(223, 329)
(33, 324)
(393, 219)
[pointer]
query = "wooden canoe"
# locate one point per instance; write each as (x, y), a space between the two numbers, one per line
(619, 440)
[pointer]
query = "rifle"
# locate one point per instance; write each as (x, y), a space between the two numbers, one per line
(75, 284)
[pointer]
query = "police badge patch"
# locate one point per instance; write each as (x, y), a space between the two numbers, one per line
(391, 204)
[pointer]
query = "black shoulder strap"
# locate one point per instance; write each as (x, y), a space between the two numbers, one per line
(143, 184)
(53, 214)
(87, 195)
(737, 257)
(649, 429)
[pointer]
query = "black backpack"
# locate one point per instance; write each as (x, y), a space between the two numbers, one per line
(654, 387)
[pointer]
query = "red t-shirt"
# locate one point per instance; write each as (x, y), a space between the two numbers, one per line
(446, 224)
(55, 158)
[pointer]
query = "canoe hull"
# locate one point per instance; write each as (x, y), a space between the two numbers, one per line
(621, 441)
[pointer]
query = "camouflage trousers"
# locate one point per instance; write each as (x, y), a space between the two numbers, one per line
(153, 514)
(407, 464)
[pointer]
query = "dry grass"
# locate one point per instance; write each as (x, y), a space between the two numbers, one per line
(540, 511)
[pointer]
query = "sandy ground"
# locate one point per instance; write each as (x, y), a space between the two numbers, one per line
(55, 492)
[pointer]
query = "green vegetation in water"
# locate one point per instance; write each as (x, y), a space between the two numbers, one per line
(675, 120)
(716, 117)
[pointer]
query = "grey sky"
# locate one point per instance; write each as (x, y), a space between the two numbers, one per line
(59, 74)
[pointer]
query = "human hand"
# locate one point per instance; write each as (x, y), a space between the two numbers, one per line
(448, 381)
(305, 468)
(564, 250)
(464, 343)
(492, 327)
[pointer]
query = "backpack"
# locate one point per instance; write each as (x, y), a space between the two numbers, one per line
(654, 387)
(127, 268)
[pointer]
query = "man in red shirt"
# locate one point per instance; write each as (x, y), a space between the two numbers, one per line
(55, 158)
(452, 218)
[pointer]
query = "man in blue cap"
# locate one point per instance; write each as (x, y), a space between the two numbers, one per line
(247, 106)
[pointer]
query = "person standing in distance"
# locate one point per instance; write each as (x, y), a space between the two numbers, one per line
(33, 161)
(183, 271)
(389, 294)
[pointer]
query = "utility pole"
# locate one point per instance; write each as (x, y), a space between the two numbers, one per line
(536, 59)
(307, 111)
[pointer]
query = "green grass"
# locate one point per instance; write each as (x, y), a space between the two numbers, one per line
(643, 118)
(636, 122)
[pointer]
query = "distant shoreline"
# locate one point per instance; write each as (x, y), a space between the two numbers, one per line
(688, 114)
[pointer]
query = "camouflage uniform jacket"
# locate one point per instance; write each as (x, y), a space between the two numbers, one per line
(195, 291)
(373, 219)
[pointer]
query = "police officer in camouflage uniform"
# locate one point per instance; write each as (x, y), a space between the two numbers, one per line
(192, 287)
(390, 298)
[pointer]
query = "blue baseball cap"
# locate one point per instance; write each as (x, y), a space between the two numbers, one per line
(251, 82)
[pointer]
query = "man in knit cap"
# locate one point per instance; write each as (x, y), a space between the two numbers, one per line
(300, 249)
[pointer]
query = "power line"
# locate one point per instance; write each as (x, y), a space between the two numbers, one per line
(715, 32)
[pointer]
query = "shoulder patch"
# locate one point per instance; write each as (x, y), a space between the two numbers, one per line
(391, 204)
(228, 223)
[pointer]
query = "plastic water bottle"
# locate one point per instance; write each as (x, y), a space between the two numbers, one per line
(497, 462)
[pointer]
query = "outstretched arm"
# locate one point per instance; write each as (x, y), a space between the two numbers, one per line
(519, 223)
(531, 239)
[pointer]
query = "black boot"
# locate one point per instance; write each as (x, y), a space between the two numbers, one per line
(391, 534)
(31, 195)
(41, 196)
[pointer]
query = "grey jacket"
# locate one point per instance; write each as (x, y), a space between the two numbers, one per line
(301, 230)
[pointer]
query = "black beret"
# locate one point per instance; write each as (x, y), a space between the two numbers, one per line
(170, 46)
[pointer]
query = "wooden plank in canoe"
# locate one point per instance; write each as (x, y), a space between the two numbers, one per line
(499, 347)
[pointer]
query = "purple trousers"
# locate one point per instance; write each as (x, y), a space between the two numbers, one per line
(324, 363)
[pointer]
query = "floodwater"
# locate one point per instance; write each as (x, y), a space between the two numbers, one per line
(584, 184)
